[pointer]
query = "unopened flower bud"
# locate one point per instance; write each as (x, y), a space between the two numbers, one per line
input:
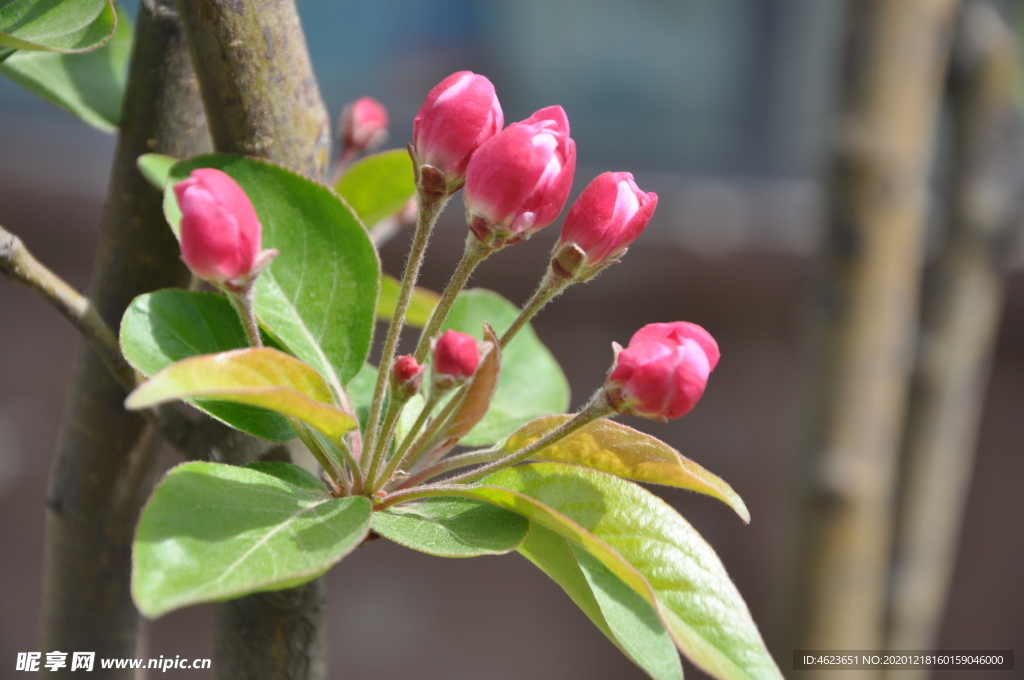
(459, 114)
(220, 233)
(363, 125)
(518, 181)
(606, 218)
(663, 372)
(408, 375)
(456, 357)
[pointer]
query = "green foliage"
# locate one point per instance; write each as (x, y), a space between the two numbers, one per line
(156, 168)
(89, 85)
(647, 545)
(318, 297)
(378, 186)
(66, 26)
(452, 527)
(263, 377)
(161, 328)
(612, 447)
(421, 304)
(213, 532)
(618, 611)
(532, 383)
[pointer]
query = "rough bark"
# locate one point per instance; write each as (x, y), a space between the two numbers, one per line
(262, 99)
(896, 56)
(105, 455)
(959, 325)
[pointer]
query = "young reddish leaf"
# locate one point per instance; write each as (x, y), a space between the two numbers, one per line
(621, 450)
(645, 543)
(480, 390)
(262, 377)
(421, 305)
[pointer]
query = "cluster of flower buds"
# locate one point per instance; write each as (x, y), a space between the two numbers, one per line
(363, 126)
(663, 372)
(456, 356)
(220, 233)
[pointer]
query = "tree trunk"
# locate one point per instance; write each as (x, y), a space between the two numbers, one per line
(262, 100)
(105, 456)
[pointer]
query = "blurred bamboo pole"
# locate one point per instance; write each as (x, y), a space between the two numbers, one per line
(895, 59)
(959, 325)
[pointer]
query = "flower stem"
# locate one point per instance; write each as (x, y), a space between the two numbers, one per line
(430, 206)
(452, 463)
(387, 430)
(597, 407)
(474, 253)
(550, 286)
(242, 302)
(398, 460)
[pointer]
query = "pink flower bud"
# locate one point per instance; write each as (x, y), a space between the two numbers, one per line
(456, 355)
(220, 233)
(408, 374)
(458, 115)
(608, 216)
(663, 372)
(364, 125)
(518, 181)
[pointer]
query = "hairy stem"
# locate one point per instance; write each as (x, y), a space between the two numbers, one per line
(475, 253)
(430, 207)
(550, 286)
(597, 407)
(398, 460)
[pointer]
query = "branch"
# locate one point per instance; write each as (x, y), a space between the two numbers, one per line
(105, 456)
(18, 264)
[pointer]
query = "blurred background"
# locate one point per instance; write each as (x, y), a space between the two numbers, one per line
(728, 109)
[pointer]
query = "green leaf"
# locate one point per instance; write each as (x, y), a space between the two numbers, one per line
(360, 389)
(612, 447)
(532, 383)
(59, 25)
(262, 376)
(161, 328)
(421, 304)
(318, 296)
(646, 544)
(156, 167)
(452, 527)
(292, 474)
(379, 185)
(90, 85)
(617, 610)
(214, 532)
